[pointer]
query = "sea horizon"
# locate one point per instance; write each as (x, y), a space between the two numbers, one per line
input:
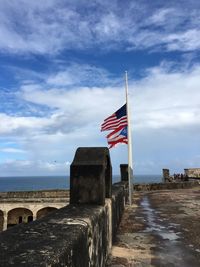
(49, 182)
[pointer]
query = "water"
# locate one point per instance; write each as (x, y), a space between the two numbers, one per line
(30, 183)
(155, 225)
(147, 178)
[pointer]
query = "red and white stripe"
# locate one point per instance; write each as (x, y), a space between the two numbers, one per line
(114, 138)
(112, 123)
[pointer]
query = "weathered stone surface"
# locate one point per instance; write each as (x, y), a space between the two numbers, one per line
(34, 194)
(16, 207)
(165, 174)
(74, 236)
(118, 204)
(71, 237)
(192, 172)
(161, 228)
(164, 186)
(124, 172)
(90, 176)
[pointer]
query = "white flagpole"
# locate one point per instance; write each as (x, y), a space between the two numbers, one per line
(130, 158)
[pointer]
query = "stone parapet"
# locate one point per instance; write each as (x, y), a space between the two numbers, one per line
(163, 186)
(90, 176)
(80, 234)
(119, 197)
(76, 235)
(124, 172)
(35, 194)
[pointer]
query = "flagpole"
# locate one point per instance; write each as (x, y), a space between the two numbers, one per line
(130, 158)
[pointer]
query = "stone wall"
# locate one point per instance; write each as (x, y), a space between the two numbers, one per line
(80, 234)
(192, 172)
(164, 186)
(15, 205)
(76, 235)
(119, 199)
(34, 194)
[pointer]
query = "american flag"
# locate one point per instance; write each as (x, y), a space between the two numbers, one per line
(116, 120)
(117, 136)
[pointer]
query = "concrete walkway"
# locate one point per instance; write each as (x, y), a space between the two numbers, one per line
(161, 228)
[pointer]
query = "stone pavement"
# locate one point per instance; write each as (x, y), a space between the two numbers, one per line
(161, 228)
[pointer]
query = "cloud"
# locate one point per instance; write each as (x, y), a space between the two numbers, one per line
(48, 113)
(167, 99)
(164, 109)
(20, 125)
(164, 98)
(161, 16)
(59, 25)
(80, 75)
(11, 150)
(183, 41)
(36, 168)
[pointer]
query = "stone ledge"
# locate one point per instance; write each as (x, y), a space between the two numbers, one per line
(35, 194)
(35, 200)
(163, 186)
(56, 240)
(76, 235)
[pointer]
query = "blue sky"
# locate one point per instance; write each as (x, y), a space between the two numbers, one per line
(62, 73)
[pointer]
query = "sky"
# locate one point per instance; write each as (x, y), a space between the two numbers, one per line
(62, 65)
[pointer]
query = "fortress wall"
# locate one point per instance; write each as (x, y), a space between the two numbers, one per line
(77, 235)
(192, 172)
(81, 233)
(164, 186)
(35, 194)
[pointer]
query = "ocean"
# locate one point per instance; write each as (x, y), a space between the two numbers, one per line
(30, 183)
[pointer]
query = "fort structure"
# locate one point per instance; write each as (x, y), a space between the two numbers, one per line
(78, 234)
(24, 207)
(79, 226)
(190, 173)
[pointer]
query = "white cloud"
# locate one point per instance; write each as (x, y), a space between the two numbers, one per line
(11, 150)
(57, 25)
(183, 41)
(33, 168)
(51, 114)
(109, 27)
(20, 125)
(162, 99)
(167, 100)
(165, 113)
(76, 74)
(160, 17)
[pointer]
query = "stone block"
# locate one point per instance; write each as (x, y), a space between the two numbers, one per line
(90, 176)
(73, 236)
(124, 172)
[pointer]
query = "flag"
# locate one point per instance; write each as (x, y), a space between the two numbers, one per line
(116, 120)
(117, 136)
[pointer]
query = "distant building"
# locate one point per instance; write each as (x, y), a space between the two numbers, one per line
(192, 172)
(24, 207)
